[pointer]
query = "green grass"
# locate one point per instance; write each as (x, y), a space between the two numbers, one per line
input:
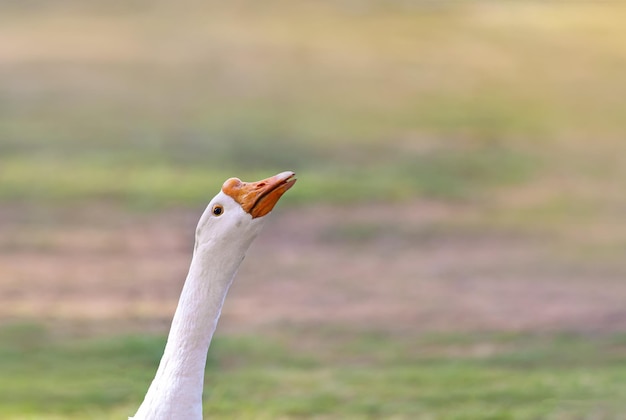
(442, 174)
(148, 105)
(325, 373)
(518, 106)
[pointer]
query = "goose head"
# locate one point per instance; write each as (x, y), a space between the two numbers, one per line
(234, 217)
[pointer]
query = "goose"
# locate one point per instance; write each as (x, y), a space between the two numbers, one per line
(231, 221)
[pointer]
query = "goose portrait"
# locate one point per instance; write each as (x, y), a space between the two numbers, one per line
(226, 229)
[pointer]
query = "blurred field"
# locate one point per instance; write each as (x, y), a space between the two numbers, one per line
(454, 247)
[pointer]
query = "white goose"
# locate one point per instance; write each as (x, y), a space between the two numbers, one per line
(226, 229)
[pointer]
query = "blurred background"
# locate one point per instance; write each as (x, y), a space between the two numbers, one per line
(453, 249)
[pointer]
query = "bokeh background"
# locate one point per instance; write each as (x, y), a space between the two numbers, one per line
(453, 249)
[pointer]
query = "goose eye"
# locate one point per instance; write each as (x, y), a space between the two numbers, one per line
(218, 209)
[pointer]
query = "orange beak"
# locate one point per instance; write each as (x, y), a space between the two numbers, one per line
(259, 198)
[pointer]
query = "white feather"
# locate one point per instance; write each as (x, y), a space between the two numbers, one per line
(221, 244)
